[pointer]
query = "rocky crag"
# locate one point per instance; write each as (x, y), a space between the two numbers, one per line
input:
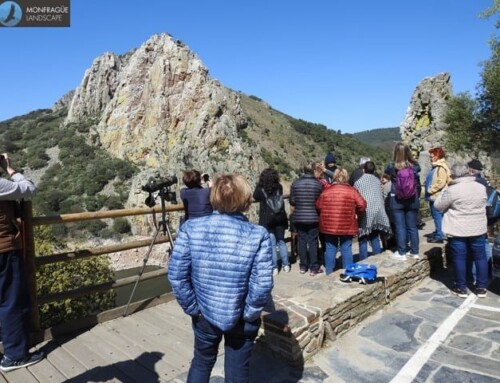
(158, 107)
(424, 128)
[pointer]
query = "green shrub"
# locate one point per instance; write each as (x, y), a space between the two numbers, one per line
(121, 226)
(65, 276)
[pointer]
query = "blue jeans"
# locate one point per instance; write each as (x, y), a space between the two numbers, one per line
(332, 245)
(460, 247)
(307, 235)
(405, 215)
(14, 305)
(437, 216)
(278, 238)
(363, 245)
(238, 345)
(471, 266)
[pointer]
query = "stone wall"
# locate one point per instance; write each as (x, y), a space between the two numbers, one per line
(296, 327)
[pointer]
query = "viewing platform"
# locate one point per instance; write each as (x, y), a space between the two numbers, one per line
(156, 344)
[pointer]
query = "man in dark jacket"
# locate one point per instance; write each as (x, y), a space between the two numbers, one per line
(303, 195)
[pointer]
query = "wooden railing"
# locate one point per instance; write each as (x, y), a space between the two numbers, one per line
(32, 262)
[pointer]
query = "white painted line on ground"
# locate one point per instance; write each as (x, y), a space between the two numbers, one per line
(411, 369)
(487, 308)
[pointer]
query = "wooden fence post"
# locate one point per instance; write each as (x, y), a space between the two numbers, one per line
(29, 259)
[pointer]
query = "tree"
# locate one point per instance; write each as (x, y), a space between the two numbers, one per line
(474, 124)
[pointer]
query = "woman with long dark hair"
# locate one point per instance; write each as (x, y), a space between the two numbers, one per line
(276, 223)
(404, 209)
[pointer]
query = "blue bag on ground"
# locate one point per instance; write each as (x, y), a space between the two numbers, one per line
(359, 272)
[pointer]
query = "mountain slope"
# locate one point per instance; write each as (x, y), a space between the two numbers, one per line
(383, 138)
(157, 110)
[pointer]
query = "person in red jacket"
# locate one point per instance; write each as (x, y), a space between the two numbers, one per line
(338, 207)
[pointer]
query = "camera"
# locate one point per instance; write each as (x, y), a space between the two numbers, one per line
(162, 185)
(155, 184)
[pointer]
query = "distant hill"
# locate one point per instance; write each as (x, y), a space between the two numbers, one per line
(383, 138)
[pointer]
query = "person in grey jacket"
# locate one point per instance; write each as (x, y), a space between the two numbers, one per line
(463, 203)
(221, 273)
(14, 298)
(303, 195)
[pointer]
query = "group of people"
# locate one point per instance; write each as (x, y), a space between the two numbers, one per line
(222, 265)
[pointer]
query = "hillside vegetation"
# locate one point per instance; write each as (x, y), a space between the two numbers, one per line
(73, 175)
(287, 143)
(383, 138)
(73, 182)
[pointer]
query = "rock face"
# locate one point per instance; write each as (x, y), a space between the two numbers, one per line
(158, 107)
(424, 128)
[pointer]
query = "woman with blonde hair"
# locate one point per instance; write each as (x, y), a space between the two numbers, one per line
(338, 207)
(221, 274)
(404, 210)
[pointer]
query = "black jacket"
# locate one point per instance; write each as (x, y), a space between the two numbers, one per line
(303, 195)
(267, 218)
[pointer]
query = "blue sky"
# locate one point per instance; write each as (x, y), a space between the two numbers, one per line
(350, 65)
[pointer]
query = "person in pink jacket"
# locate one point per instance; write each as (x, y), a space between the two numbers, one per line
(339, 207)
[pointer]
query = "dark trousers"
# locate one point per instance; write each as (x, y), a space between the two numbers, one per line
(308, 240)
(14, 305)
(238, 345)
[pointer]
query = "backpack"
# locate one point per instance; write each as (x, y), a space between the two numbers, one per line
(405, 186)
(359, 272)
(492, 204)
(275, 202)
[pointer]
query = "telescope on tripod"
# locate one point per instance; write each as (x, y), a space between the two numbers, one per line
(162, 186)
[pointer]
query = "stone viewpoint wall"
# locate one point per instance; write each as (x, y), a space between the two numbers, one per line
(296, 327)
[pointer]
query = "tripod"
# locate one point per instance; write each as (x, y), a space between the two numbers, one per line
(160, 226)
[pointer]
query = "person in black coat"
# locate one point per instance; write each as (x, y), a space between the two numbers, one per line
(303, 195)
(268, 190)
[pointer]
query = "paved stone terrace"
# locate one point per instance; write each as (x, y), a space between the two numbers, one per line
(155, 345)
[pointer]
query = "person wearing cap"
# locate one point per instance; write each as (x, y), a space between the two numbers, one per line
(330, 166)
(475, 169)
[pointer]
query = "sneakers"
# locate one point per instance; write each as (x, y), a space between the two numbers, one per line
(414, 256)
(8, 365)
(316, 272)
(302, 270)
(275, 271)
(481, 293)
(401, 257)
(286, 269)
(462, 293)
(434, 240)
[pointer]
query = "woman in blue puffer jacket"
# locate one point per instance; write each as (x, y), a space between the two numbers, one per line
(221, 273)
